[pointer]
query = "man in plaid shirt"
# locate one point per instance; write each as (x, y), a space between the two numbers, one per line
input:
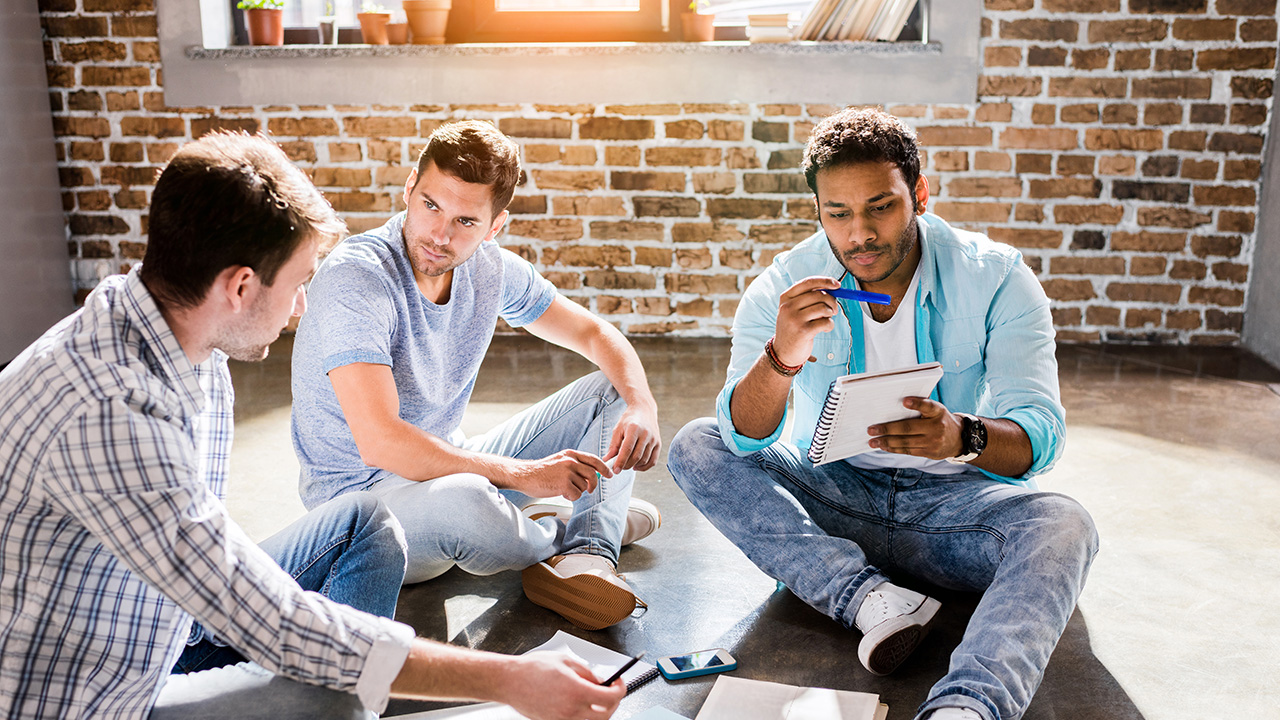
(126, 590)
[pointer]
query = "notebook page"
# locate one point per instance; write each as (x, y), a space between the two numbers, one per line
(601, 660)
(873, 399)
(735, 698)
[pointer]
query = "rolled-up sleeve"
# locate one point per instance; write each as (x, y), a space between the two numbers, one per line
(1021, 369)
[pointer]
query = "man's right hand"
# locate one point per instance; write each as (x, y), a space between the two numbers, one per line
(554, 686)
(803, 312)
(568, 473)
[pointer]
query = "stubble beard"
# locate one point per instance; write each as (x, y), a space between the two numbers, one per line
(899, 250)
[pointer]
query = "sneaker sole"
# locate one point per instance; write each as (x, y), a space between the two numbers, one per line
(890, 651)
(588, 601)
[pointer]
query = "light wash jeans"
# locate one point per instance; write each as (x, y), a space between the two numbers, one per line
(351, 550)
(826, 532)
(464, 520)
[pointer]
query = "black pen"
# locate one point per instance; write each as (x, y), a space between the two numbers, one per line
(623, 669)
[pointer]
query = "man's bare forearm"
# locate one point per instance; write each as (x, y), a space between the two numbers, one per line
(759, 401)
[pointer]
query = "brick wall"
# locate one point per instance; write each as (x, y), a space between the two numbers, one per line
(1118, 143)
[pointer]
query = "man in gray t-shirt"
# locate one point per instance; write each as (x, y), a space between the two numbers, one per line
(385, 361)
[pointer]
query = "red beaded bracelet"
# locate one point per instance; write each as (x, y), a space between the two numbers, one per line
(778, 366)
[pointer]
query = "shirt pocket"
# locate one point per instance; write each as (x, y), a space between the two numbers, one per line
(962, 370)
(960, 358)
(830, 350)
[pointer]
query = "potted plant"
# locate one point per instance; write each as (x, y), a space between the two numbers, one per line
(265, 21)
(329, 25)
(427, 19)
(698, 27)
(373, 23)
(398, 29)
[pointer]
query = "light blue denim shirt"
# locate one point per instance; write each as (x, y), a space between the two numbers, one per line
(979, 311)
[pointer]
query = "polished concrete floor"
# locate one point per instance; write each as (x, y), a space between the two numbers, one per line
(1174, 451)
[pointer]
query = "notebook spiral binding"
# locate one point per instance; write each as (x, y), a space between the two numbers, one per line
(825, 422)
(639, 680)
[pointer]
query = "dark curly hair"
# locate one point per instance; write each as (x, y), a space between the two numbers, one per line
(476, 152)
(856, 135)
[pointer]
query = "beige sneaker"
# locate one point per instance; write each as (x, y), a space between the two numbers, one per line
(642, 516)
(583, 589)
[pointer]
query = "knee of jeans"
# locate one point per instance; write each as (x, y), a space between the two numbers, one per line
(1071, 525)
(691, 451)
(464, 503)
(372, 517)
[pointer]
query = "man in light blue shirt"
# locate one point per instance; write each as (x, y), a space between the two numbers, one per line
(946, 497)
(384, 365)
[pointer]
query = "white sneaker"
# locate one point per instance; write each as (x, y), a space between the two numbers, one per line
(584, 589)
(951, 713)
(642, 516)
(893, 621)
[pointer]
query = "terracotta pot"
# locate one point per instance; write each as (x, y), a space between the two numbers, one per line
(697, 27)
(373, 27)
(266, 27)
(397, 33)
(427, 19)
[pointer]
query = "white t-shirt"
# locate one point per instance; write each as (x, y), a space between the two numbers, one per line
(888, 345)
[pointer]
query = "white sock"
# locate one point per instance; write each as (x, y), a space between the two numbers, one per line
(583, 562)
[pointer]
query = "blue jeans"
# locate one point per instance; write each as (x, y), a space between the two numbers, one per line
(351, 550)
(826, 532)
(464, 520)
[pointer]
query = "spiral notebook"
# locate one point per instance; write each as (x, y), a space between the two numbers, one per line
(602, 661)
(855, 402)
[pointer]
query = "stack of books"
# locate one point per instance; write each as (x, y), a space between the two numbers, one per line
(768, 28)
(856, 20)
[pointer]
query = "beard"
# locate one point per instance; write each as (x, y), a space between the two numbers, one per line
(251, 340)
(896, 251)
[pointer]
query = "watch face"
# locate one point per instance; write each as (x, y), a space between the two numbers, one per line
(977, 435)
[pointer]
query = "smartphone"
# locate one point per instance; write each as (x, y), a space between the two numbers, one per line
(703, 662)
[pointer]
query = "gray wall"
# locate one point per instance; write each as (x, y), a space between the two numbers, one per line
(35, 278)
(1262, 309)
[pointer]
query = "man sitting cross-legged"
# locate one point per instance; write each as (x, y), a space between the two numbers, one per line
(945, 497)
(384, 365)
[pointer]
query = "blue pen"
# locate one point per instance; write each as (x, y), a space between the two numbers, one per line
(860, 296)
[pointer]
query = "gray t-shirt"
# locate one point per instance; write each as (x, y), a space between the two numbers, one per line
(364, 306)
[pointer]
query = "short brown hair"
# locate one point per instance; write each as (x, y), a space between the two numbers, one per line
(856, 135)
(476, 152)
(229, 199)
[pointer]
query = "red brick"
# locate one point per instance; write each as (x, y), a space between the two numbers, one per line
(1230, 272)
(1079, 113)
(610, 305)
(659, 181)
(739, 158)
(992, 161)
(327, 177)
(1185, 7)
(1172, 217)
(380, 126)
(586, 205)
(1066, 187)
(119, 6)
(131, 200)
(1009, 86)
(1064, 290)
(653, 306)
(743, 209)
(569, 179)
(134, 26)
(705, 232)
(74, 26)
(721, 183)
(1127, 31)
(613, 280)
(1102, 315)
(607, 128)
(1225, 195)
(1046, 56)
(1035, 29)
(702, 284)
(1132, 60)
(790, 182)
(667, 206)
(1001, 56)
(1146, 265)
(1247, 7)
(302, 126)
(1075, 165)
(587, 256)
(1026, 237)
(973, 212)
(1163, 114)
(1236, 59)
(1188, 140)
(951, 161)
(1188, 270)
(685, 130)
(1081, 6)
(1147, 241)
(654, 257)
(1241, 222)
(994, 112)
(1088, 214)
(1201, 88)
(1258, 30)
(531, 205)
(650, 109)
(1039, 139)
(985, 187)
(693, 258)
(95, 51)
(1115, 139)
(1223, 245)
(1064, 316)
(1198, 29)
(950, 136)
(548, 229)
(626, 230)
(98, 225)
(1248, 114)
(128, 175)
(94, 75)
(785, 234)
(1068, 265)
(204, 126)
(730, 130)
(126, 152)
(1037, 163)
(1224, 297)
(1144, 292)
(153, 126)
(685, 156)
(1243, 143)
(536, 128)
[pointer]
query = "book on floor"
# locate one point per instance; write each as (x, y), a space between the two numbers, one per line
(734, 698)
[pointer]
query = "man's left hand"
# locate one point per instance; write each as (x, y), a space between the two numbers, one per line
(636, 440)
(935, 434)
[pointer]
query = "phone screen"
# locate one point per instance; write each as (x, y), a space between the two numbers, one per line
(696, 661)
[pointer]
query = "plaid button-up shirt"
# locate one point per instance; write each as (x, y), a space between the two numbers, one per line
(113, 534)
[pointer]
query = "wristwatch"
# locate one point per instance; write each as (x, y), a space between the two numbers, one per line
(973, 438)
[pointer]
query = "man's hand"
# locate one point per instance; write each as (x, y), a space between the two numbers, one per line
(934, 435)
(568, 473)
(636, 440)
(803, 312)
(554, 686)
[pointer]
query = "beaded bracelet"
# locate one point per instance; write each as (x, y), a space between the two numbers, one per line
(778, 366)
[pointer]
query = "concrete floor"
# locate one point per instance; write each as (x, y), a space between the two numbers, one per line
(1174, 451)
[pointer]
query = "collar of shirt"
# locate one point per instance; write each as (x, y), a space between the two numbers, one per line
(157, 337)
